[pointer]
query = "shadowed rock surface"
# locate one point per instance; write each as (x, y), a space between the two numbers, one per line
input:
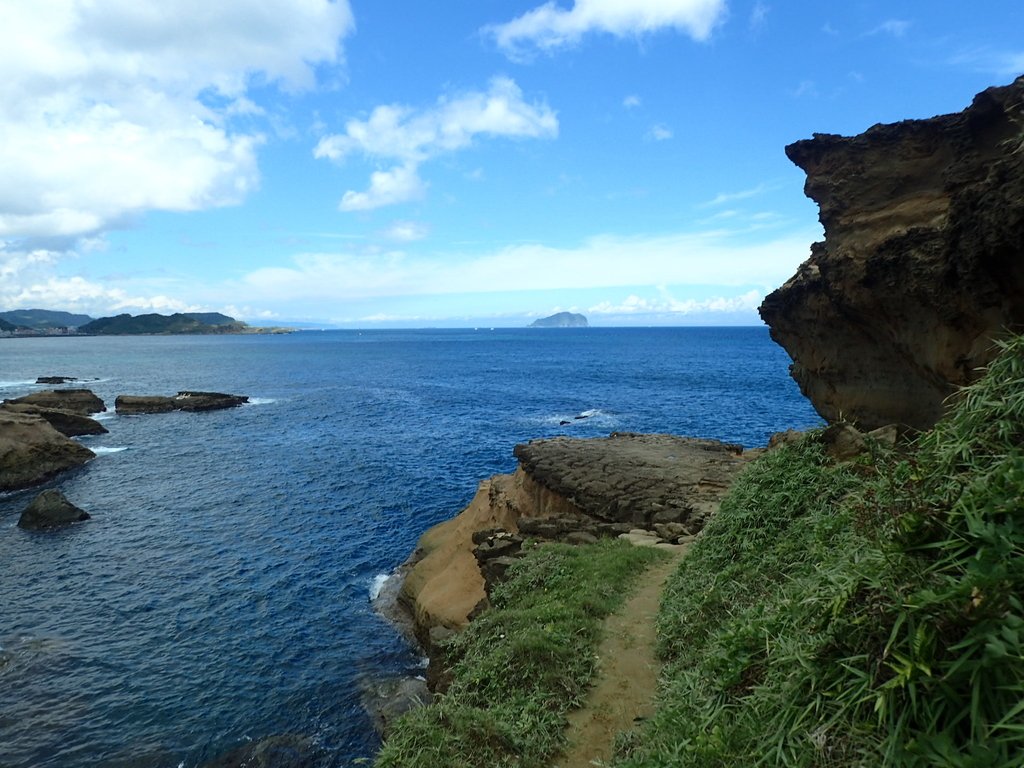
(81, 401)
(921, 267)
(67, 423)
(183, 401)
(32, 451)
(50, 509)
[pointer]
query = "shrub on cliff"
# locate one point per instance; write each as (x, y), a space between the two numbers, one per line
(863, 614)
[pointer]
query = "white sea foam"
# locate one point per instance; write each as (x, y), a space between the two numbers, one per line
(99, 450)
(261, 401)
(378, 584)
(13, 384)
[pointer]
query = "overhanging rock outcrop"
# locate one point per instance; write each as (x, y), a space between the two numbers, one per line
(922, 265)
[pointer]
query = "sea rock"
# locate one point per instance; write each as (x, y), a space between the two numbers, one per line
(286, 750)
(561, 320)
(183, 401)
(388, 699)
(32, 451)
(67, 423)
(922, 265)
(50, 509)
(55, 379)
(81, 401)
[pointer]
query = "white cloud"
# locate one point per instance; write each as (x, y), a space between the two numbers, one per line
(397, 185)
(114, 107)
(894, 27)
(549, 26)
(631, 102)
(403, 135)
(759, 15)
(406, 231)
(708, 258)
(660, 132)
(665, 303)
(729, 197)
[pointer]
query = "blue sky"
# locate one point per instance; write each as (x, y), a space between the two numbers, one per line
(468, 162)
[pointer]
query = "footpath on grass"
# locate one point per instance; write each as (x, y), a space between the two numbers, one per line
(627, 676)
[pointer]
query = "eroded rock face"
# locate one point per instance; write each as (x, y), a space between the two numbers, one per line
(572, 490)
(81, 401)
(32, 451)
(183, 401)
(50, 509)
(921, 267)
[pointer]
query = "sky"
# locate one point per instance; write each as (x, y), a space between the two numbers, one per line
(394, 163)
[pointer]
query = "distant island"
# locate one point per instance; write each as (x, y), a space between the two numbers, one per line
(43, 322)
(561, 320)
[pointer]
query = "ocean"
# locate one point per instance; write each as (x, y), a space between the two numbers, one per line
(221, 591)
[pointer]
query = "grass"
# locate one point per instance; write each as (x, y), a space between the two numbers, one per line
(866, 614)
(521, 665)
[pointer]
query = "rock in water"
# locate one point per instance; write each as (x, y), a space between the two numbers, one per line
(67, 423)
(921, 267)
(50, 509)
(183, 401)
(81, 401)
(32, 451)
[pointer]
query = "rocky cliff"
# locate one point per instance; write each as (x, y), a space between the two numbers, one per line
(921, 267)
(573, 490)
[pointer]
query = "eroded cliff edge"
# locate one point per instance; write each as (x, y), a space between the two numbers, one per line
(572, 490)
(921, 267)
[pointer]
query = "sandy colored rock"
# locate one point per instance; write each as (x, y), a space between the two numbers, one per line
(183, 401)
(921, 267)
(32, 451)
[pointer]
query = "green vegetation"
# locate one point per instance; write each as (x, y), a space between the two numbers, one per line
(179, 322)
(523, 663)
(42, 319)
(867, 614)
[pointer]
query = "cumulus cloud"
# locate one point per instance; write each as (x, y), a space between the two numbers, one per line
(114, 107)
(408, 137)
(631, 102)
(550, 26)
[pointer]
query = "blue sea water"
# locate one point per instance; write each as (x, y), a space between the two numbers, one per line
(220, 592)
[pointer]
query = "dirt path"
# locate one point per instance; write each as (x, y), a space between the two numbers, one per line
(627, 676)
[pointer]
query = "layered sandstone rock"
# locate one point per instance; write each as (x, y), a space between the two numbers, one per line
(32, 451)
(922, 265)
(570, 490)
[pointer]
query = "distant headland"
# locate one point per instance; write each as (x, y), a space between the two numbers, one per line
(561, 320)
(45, 322)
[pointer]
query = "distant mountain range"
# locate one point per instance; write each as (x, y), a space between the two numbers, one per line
(40, 319)
(561, 320)
(31, 322)
(179, 322)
